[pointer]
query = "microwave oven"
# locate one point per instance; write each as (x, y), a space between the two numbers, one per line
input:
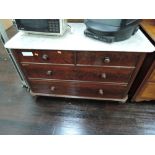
(42, 26)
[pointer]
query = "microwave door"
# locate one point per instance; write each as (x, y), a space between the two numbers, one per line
(39, 25)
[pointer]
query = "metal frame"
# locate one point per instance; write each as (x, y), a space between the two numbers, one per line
(4, 39)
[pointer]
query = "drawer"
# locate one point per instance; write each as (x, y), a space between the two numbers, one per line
(152, 76)
(79, 89)
(104, 74)
(148, 92)
(49, 71)
(45, 56)
(101, 74)
(107, 58)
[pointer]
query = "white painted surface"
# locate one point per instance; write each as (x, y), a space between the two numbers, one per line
(76, 40)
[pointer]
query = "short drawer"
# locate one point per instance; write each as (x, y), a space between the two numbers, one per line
(104, 74)
(45, 56)
(45, 71)
(100, 74)
(78, 89)
(107, 58)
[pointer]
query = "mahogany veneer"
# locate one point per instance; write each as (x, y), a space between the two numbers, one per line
(80, 74)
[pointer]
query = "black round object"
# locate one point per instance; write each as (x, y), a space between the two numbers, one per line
(111, 30)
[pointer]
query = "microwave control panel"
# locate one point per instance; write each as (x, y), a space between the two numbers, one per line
(54, 25)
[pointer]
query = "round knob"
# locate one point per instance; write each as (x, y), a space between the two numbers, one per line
(52, 88)
(103, 75)
(49, 72)
(59, 52)
(45, 56)
(106, 60)
(101, 91)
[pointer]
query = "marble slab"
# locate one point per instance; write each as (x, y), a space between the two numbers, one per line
(75, 39)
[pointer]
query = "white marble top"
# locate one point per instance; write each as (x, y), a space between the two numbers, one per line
(76, 40)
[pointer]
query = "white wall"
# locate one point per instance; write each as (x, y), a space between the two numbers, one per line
(7, 23)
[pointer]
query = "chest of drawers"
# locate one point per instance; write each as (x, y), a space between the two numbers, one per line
(145, 91)
(79, 74)
(76, 66)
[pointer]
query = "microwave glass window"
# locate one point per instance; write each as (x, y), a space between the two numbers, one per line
(34, 23)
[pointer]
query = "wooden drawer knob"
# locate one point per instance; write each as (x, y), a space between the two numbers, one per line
(103, 75)
(49, 73)
(59, 52)
(52, 88)
(106, 60)
(101, 91)
(44, 56)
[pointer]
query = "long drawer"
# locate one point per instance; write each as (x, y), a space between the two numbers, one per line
(45, 56)
(79, 89)
(101, 74)
(107, 58)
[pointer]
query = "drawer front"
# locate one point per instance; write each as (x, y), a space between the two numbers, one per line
(49, 71)
(78, 89)
(152, 76)
(107, 58)
(101, 74)
(104, 74)
(40, 56)
(148, 92)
